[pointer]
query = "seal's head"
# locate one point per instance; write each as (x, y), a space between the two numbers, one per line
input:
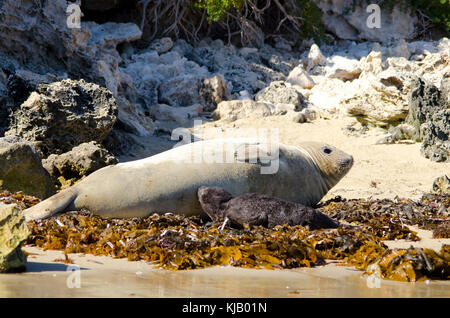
(212, 199)
(332, 163)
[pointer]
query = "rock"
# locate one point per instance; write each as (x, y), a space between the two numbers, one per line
(65, 114)
(436, 132)
(400, 50)
(314, 58)
(445, 87)
(441, 185)
(162, 45)
(373, 63)
(181, 115)
(429, 114)
(379, 100)
(298, 76)
(212, 91)
(13, 233)
(81, 161)
(112, 33)
(281, 92)
(21, 168)
(102, 46)
(186, 91)
(236, 109)
(349, 22)
(282, 44)
(302, 116)
(244, 95)
(398, 133)
(342, 68)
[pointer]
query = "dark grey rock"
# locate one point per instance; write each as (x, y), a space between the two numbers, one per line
(81, 161)
(65, 114)
(429, 114)
(21, 168)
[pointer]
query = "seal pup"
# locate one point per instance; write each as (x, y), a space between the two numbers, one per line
(260, 209)
(168, 181)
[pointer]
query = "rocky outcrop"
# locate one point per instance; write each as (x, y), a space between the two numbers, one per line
(13, 233)
(429, 114)
(81, 161)
(65, 114)
(349, 22)
(21, 168)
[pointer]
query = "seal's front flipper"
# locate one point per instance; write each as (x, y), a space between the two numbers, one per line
(55, 204)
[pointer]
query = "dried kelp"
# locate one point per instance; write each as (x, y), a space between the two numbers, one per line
(22, 200)
(175, 242)
(387, 218)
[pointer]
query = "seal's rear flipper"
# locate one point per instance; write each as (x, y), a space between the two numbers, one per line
(55, 204)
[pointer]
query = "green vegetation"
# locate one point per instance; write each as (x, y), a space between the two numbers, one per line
(217, 9)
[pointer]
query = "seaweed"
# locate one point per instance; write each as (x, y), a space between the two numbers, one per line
(175, 242)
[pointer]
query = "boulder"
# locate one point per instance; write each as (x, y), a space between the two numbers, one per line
(81, 161)
(314, 58)
(379, 100)
(281, 92)
(162, 45)
(13, 233)
(62, 115)
(298, 76)
(236, 109)
(21, 168)
(187, 90)
(429, 114)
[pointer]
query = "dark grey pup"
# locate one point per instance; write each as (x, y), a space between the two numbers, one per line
(259, 209)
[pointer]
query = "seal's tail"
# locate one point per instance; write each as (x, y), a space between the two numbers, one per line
(55, 204)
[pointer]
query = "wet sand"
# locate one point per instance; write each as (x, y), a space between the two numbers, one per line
(102, 276)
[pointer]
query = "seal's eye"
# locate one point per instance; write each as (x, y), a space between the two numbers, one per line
(326, 150)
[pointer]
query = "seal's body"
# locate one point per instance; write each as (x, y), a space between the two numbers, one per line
(260, 209)
(168, 182)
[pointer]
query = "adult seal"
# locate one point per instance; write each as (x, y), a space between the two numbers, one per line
(168, 182)
(260, 209)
